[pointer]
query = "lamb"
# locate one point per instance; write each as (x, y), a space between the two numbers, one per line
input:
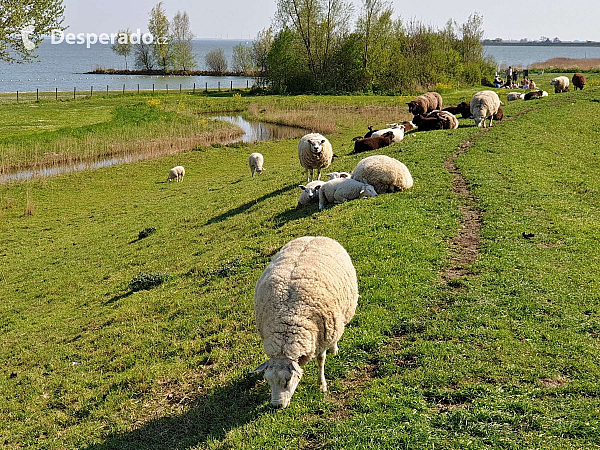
(314, 152)
(408, 125)
(515, 96)
(425, 103)
(397, 132)
(463, 108)
(578, 81)
(256, 163)
(341, 190)
(385, 174)
(561, 84)
(373, 143)
(176, 173)
(302, 303)
(535, 94)
(334, 175)
(484, 105)
(310, 193)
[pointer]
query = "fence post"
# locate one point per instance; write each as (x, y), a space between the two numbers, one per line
(123, 89)
(231, 88)
(247, 84)
(138, 88)
(194, 88)
(56, 94)
(91, 91)
(206, 88)
(74, 90)
(107, 90)
(17, 96)
(219, 86)
(152, 88)
(179, 88)
(37, 94)
(167, 88)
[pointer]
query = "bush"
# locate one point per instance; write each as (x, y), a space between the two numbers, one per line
(146, 232)
(147, 281)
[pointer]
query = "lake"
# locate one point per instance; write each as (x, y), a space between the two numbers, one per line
(524, 55)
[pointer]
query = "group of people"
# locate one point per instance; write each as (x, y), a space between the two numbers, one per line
(512, 80)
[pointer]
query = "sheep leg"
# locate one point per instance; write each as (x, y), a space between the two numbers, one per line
(335, 349)
(321, 361)
(307, 178)
(319, 175)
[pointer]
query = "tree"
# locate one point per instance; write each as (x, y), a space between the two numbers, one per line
(27, 19)
(158, 26)
(472, 34)
(144, 57)
(123, 46)
(374, 24)
(181, 42)
(216, 61)
(242, 60)
(260, 50)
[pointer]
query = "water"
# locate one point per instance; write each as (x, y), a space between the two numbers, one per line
(524, 56)
(63, 66)
(253, 132)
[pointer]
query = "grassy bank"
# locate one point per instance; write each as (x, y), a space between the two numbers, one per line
(504, 357)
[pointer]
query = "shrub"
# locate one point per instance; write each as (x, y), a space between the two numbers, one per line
(146, 232)
(147, 281)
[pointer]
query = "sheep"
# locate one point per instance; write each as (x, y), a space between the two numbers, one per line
(370, 132)
(463, 108)
(314, 152)
(578, 81)
(176, 173)
(341, 190)
(334, 175)
(302, 303)
(515, 96)
(408, 125)
(561, 84)
(449, 120)
(484, 105)
(397, 132)
(425, 103)
(385, 174)
(256, 163)
(499, 115)
(373, 143)
(535, 94)
(310, 193)
(436, 120)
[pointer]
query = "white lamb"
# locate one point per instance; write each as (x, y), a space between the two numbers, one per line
(310, 193)
(385, 174)
(484, 105)
(256, 163)
(561, 84)
(515, 96)
(314, 152)
(398, 131)
(334, 175)
(303, 300)
(341, 190)
(176, 173)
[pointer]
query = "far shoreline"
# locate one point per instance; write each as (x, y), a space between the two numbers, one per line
(179, 73)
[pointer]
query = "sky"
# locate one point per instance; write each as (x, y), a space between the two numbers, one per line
(243, 19)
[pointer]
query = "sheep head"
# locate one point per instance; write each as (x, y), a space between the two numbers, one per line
(311, 191)
(479, 120)
(283, 376)
(316, 146)
(368, 191)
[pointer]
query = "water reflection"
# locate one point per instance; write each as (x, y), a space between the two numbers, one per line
(258, 131)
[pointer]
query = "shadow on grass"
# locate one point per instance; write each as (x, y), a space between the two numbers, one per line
(248, 205)
(210, 416)
(116, 298)
(295, 214)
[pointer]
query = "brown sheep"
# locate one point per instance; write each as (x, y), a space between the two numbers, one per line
(428, 123)
(499, 115)
(578, 81)
(430, 101)
(373, 143)
(462, 108)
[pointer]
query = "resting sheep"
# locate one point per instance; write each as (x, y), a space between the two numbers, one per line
(561, 84)
(430, 101)
(302, 302)
(314, 152)
(535, 94)
(256, 163)
(436, 120)
(334, 175)
(578, 81)
(463, 108)
(370, 132)
(397, 132)
(385, 174)
(373, 143)
(515, 96)
(310, 193)
(341, 190)
(484, 105)
(176, 173)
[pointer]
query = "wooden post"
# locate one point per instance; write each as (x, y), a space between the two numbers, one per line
(17, 96)
(152, 88)
(231, 88)
(91, 91)
(74, 90)
(248, 85)
(56, 94)
(37, 94)
(219, 86)
(107, 90)
(206, 88)
(194, 88)
(179, 88)
(123, 89)
(167, 88)
(138, 88)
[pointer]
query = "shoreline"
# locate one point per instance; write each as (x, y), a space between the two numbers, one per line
(179, 73)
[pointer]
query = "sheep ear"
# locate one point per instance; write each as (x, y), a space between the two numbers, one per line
(301, 186)
(343, 175)
(262, 367)
(295, 367)
(317, 187)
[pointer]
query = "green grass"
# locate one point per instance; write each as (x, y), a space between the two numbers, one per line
(503, 358)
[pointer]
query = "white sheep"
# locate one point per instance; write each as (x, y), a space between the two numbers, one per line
(398, 131)
(561, 84)
(176, 173)
(310, 193)
(334, 175)
(256, 161)
(385, 174)
(302, 302)
(515, 96)
(341, 190)
(314, 152)
(484, 105)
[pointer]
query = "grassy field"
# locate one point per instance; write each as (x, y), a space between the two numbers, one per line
(504, 357)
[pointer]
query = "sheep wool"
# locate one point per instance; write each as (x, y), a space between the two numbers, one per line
(310, 192)
(256, 161)
(176, 173)
(341, 190)
(314, 152)
(578, 81)
(425, 103)
(561, 84)
(385, 174)
(515, 96)
(484, 105)
(302, 302)
(397, 130)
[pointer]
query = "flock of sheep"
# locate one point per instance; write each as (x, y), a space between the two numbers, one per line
(309, 291)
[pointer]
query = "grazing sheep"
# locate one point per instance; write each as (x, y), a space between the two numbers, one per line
(535, 94)
(515, 96)
(373, 143)
(385, 174)
(302, 302)
(314, 152)
(463, 108)
(578, 81)
(310, 193)
(484, 105)
(430, 101)
(341, 190)
(370, 132)
(256, 163)
(397, 132)
(176, 173)
(561, 84)
(334, 175)
(499, 115)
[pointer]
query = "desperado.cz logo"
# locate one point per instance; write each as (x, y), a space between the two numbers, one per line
(25, 32)
(89, 39)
